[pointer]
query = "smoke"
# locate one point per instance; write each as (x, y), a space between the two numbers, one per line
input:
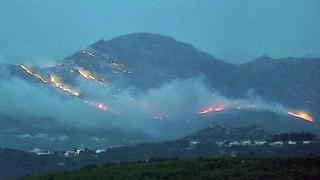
(42, 62)
(167, 112)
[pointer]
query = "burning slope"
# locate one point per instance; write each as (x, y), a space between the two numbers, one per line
(220, 107)
(31, 72)
(250, 106)
(58, 84)
(160, 116)
(100, 106)
(91, 54)
(118, 67)
(88, 75)
(301, 115)
(216, 108)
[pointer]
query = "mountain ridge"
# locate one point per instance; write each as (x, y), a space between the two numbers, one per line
(158, 60)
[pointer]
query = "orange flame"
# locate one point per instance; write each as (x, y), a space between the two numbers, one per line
(301, 115)
(216, 108)
(100, 106)
(58, 84)
(88, 75)
(31, 72)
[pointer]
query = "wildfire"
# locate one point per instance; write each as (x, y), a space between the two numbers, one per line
(31, 72)
(216, 108)
(250, 106)
(58, 84)
(88, 75)
(301, 115)
(88, 53)
(160, 116)
(117, 66)
(100, 106)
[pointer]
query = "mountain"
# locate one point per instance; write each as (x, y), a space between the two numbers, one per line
(153, 59)
(292, 81)
(156, 59)
(146, 62)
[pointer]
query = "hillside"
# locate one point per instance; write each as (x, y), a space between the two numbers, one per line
(208, 168)
(145, 68)
(217, 140)
(155, 59)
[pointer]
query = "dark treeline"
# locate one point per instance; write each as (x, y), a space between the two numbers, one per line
(304, 136)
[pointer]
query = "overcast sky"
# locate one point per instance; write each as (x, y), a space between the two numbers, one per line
(236, 31)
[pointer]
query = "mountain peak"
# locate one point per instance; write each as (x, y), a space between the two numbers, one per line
(263, 58)
(141, 40)
(99, 42)
(156, 58)
(143, 36)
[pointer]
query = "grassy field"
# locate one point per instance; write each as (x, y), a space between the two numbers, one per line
(201, 168)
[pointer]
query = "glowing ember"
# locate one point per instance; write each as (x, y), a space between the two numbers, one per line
(216, 108)
(88, 53)
(250, 106)
(100, 106)
(160, 116)
(117, 66)
(88, 75)
(58, 84)
(301, 115)
(32, 73)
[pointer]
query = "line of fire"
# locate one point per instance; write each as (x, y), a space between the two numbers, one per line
(221, 107)
(58, 84)
(32, 72)
(89, 75)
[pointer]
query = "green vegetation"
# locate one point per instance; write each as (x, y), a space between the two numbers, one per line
(201, 168)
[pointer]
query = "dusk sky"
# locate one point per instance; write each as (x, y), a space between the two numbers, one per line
(41, 32)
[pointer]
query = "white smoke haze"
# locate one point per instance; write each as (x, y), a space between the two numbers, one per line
(43, 62)
(177, 103)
